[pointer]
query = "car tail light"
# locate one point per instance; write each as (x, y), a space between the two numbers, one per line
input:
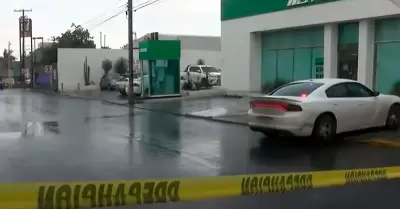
(286, 107)
(123, 79)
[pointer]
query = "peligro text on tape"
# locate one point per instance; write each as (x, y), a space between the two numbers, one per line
(359, 176)
(275, 183)
(107, 195)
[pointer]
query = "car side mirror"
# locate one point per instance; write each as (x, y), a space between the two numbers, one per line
(376, 93)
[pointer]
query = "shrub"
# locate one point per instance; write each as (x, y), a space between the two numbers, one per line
(121, 66)
(201, 62)
(106, 65)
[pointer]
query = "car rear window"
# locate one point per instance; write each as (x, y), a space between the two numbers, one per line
(298, 89)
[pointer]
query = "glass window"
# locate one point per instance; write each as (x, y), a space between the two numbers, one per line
(338, 90)
(145, 67)
(358, 90)
(210, 70)
(113, 76)
(194, 69)
(297, 89)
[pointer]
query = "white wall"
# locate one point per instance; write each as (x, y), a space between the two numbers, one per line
(70, 65)
(238, 44)
(190, 57)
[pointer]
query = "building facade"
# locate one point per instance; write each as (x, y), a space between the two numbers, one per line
(266, 41)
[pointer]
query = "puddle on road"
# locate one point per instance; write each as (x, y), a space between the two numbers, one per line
(40, 128)
(15, 130)
(10, 135)
(215, 112)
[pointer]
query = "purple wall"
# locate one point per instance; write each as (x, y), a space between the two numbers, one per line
(43, 78)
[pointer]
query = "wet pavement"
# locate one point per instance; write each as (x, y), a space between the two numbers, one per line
(207, 107)
(55, 138)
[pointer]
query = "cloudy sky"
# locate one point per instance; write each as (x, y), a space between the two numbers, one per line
(52, 17)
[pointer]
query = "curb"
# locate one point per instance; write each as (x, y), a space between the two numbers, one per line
(220, 120)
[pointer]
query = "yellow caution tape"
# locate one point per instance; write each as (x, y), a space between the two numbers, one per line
(63, 195)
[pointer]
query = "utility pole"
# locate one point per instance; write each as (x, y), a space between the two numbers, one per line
(130, 52)
(22, 21)
(9, 59)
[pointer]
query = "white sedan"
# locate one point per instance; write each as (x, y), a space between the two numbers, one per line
(322, 108)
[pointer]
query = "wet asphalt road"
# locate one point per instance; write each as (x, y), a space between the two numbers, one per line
(53, 138)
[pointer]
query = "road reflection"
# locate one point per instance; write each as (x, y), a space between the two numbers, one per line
(280, 151)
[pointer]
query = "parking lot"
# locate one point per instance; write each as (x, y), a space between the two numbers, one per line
(54, 138)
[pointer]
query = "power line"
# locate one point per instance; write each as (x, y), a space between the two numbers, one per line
(143, 3)
(159, 2)
(108, 19)
(134, 8)
(149, 3)
(103, 14)
(105, 11)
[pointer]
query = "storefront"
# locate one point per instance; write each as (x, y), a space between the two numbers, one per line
(284, 40)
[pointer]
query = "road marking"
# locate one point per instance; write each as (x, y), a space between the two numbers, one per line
(382, 142)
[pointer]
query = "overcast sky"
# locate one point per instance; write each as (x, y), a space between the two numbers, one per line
(52, 17)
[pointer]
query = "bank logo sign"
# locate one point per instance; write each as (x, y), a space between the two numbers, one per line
(298, 2)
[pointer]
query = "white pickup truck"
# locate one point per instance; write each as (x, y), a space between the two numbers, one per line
(198, 74)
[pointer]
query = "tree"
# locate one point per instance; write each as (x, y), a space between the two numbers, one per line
(7, 54)
(106, 65)
(121, 66)
(75, 37)
(49, 55)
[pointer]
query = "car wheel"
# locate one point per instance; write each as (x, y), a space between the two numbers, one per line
(324, 129)
(123, 93)
(392, 120)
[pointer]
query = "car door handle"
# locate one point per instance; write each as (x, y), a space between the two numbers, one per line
(359, 104)
(334, 104)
